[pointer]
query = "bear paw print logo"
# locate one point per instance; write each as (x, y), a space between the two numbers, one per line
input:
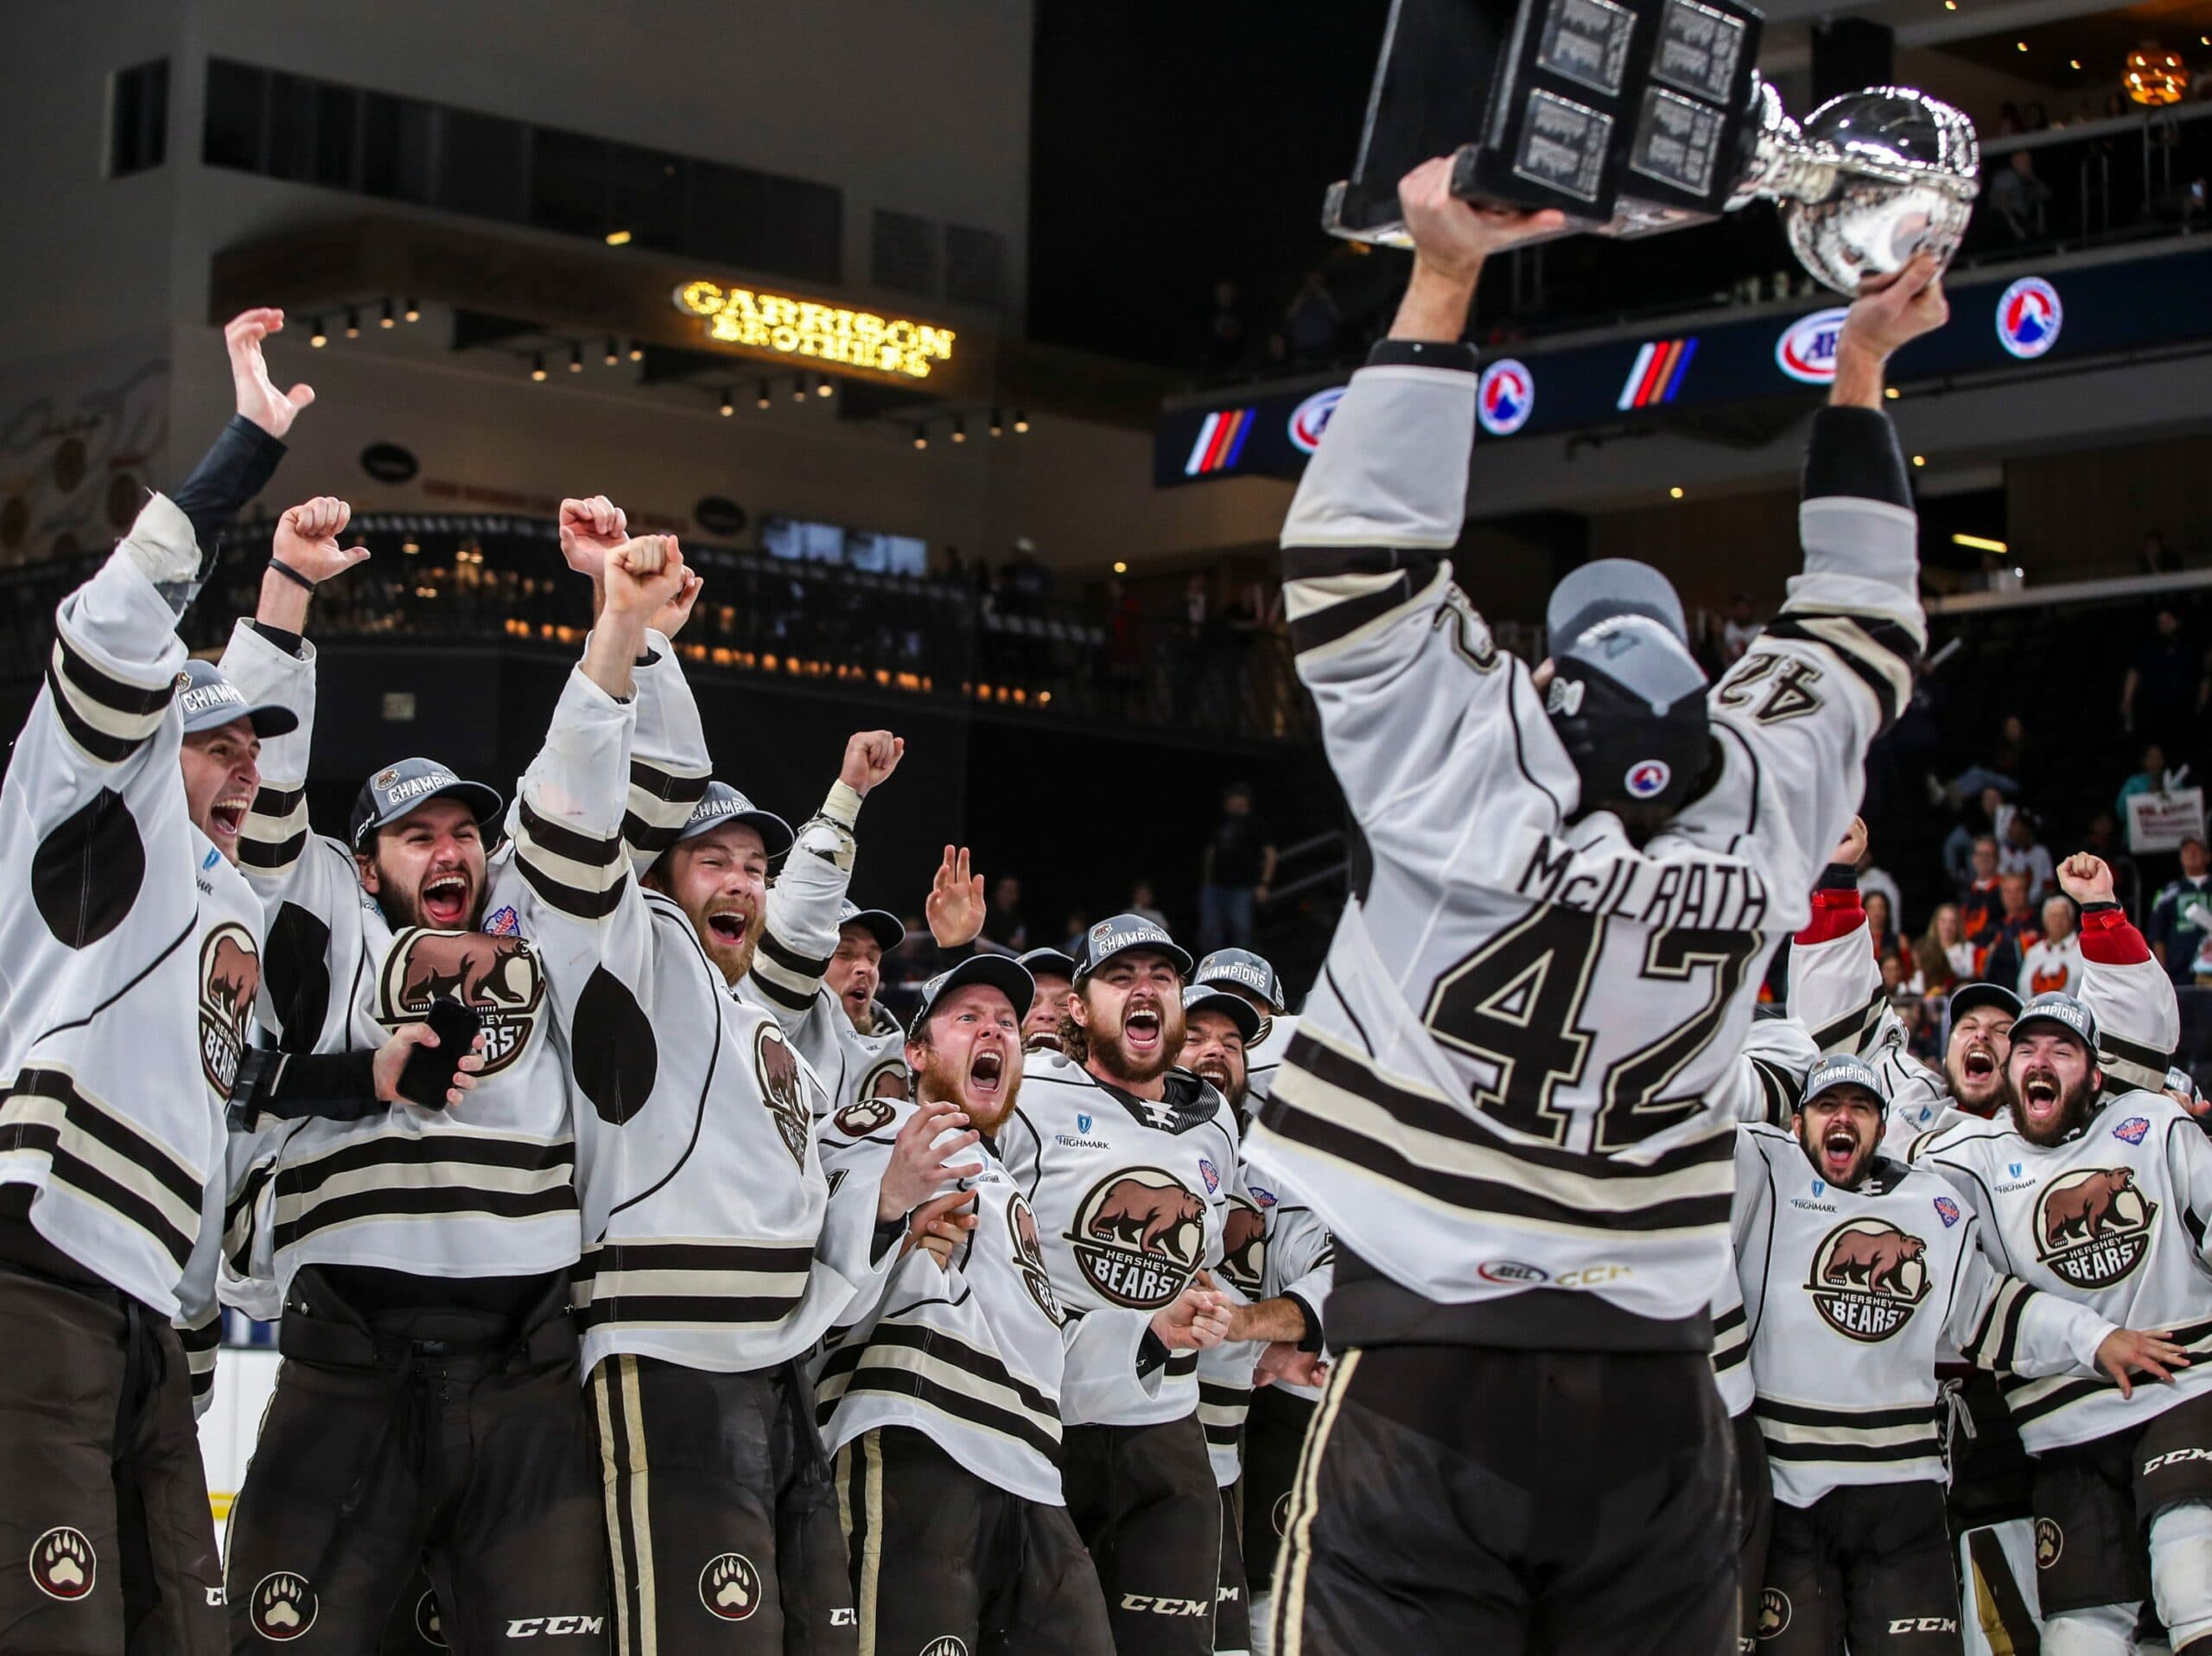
(1774, 1613)
(429, 1625)
(63, 1564)
(284, 1606)
(730, 1587)
(2051, 1541)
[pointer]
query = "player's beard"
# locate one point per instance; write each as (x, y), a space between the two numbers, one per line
(1975, 1075)
(1216, 1073)
(1111, 1053)
(1862, 1157)
(729, 936)
(404, 907)
(951, 1077)
(2074, 1103)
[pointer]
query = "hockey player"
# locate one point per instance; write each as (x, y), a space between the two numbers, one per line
(1053, 973)
(131, 953)
(1508, 1095)
(1253, 978)
(1857, 1272)
(2106, 1200)
(942, 1404)
(1129, 1163)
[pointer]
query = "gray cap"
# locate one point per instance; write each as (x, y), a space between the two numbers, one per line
(722, 804)
(1200, 998)
(993, 970)
(398, 789)
(1609, 587)
(1122, 935)
(1054, 962)
(2063, 1011)
(1967, 996)
(1843, 1070)
(208, 701)
(1242, 969)
(886, 927)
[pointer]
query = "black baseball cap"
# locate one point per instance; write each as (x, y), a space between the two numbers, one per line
(209, 700)
(2065, 1012)
(995, 970)
(1626, 697)
(1242, 969)
(721, 803)
(398, 789)
(1048, 962)
(886, 927)
(1967, 996)
(1124, 934)
(1200, 998)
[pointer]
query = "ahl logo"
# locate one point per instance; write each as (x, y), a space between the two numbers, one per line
(63, 1564)
(2050, 1543)
(284, 1606)
(2132, 1129)
(1806, 351)
(2029, 317)
(1868, 1277)
(230, 973)
(1512, 1273)
(1244, 1247)
(1138, 1236)
(497, 977)
(1311, 417)
(1774, 1613)
(729, 1587)
(1212, 1178)
(1029, 1258)
(1948, 1211)
(1504, 397)
(1648, 780)
(2093, 1227)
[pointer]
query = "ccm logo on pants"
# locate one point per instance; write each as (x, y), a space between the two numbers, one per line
(1924, 1624)
(2175, 1457)
(530, 1626)
(1165, 1606)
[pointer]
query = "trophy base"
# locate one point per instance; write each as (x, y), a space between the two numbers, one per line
(1355, 214)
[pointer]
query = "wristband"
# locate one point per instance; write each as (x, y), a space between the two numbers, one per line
(290, 573)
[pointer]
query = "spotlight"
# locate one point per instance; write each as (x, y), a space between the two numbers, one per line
(763, 399)
(1919, 460)
(614, 353)
(316, 336)
(1119, 568)
(538, 366)
(410, 546)
(729, 405)
(353, 323)
(387, 320)
(997, 424)
(1675, 492)
(1020, 421)
(921, 437)
(960, 431)
(637, 352)
(412, 311)
(576, 358)
(824, 386)
(618, 238)
(799, 389)
(1892, 393)
(2021, 44)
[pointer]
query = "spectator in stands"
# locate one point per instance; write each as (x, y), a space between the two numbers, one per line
(1882, 937)
(1737, 635)
(2102, 838)
(1225, 341)
(2151, 776)
(2024, 853)
(2051, 964)
(2019, 198)
(1981, 906)
(1003, 927)
(1873, 879)
(1920, 1039)
(1240, 864)
(1145, 904)
(1943, 955)
(2018, 927)
(1311, 320)
(1976, 822)
(2000, 576)
(2167, 688)
(2181, 915)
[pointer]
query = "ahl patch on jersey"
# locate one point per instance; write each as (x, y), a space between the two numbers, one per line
(230, 975)
(1138, 1236)
(1868, 1277)
(2092, 1226)
(498, 978)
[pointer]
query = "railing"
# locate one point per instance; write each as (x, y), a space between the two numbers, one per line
(486, 579)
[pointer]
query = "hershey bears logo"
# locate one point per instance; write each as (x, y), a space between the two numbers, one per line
(230, 974)
(888, 1080)
(1029, 1258)
(1138, 1236)
(2050, 1542)
(783, 1089)
(63, 1564)
(730, 1587)
(1244, 1247)
(863, 1116)
(1868, 1277)
(284, 1606)
(497, 977)
(429, 1625)
(2092, 1226)
(1774, 1613)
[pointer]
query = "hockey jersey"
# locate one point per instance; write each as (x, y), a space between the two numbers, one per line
(2115, 1219)
(1272, 1244)
(1850, 1297)
(2047, 968)
(1131, 1199)
(711, 1240)
(108, 1071)
(981, 1358)
(1263, 1057)
(1508, 1074)
(1835, 988)
(497, 1173)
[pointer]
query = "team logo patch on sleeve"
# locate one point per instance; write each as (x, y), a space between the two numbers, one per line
(503, 921)
(2050, 1543)
(1138, 1236)
(862, 1117)
(783, 1089)
(1244, 1247)
(2093, 1227)
(497, 977)
(2132, 1129)
(429, 1625)
(1260, 1194)
(1868, 1277)
(284, 1606)
(1029, 1258)
(1948, 1211)
(888, 1080)
(230, 974)
(1774, 1613)
(63, 1564)
(729, 1587)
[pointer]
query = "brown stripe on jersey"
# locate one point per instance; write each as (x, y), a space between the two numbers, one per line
(849, 1372)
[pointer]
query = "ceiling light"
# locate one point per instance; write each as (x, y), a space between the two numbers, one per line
(1676, 491)
(576, 358)
(1119, 568)
(2021, 44)
(1020, 421)
(353, 323)
(1919, 460)
(1892, 393)
(960, 431)
(763, 399)
(998, 425)
(538, 366)
(316, 336)
(412, 311)
(824, 386)
(799, 389)
(1979, 544)
(921, 437)
(729, 405)
(637, 352)
(614, 353)
(618, 238)
(387, 320)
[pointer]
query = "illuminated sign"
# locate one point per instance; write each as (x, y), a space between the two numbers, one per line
(1505, 397)
(1657, 373)
(774, 322)
(1806, 351)
(1220, 441)
(1311, 417)
(2029, 317)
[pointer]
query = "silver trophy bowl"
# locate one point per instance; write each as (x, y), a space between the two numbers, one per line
(1873, 178)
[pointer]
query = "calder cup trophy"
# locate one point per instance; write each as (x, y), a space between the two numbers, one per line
(1634, 117)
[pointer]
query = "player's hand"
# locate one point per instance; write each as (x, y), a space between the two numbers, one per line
(940, 1225)
(2086, 879)
(1893, 310)
(920, 1166)
(2130, 1349)
(258, 399)
(1452, 238)
(1853, 845)
(306, 538)
(590, 529)
(1196, 1320)
(1281, 1361)
(643, 575)
(870, 757)
(668, 620)
(955, 907)
(391, 1058)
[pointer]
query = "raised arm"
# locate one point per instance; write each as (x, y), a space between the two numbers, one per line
(2138, 1014)
(801, 931)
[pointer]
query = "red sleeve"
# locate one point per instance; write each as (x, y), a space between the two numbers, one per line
(2110, 938)
(1835, 912)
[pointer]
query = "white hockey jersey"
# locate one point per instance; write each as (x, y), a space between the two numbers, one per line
(1509, 1071)
(1850, 1297)
(1272, 1244)
(108, 1112)
(496, 1174)
(1132, 1198)
(2047, 968)
(1263, 1057)
(2116, 1218)
(711, 1238)
(981, 1358)
(1835, 988)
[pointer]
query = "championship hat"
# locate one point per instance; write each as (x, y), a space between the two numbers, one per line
(398, 789)
(2064, 1011)
(886, 927)
(1843, 1070)
(1242, 969)
(209, 700)
(721, 803)
(995, 971)
(1626, 697)
(1967, 996)
(1202, 997)
(1122, 934)
(1043, 963)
